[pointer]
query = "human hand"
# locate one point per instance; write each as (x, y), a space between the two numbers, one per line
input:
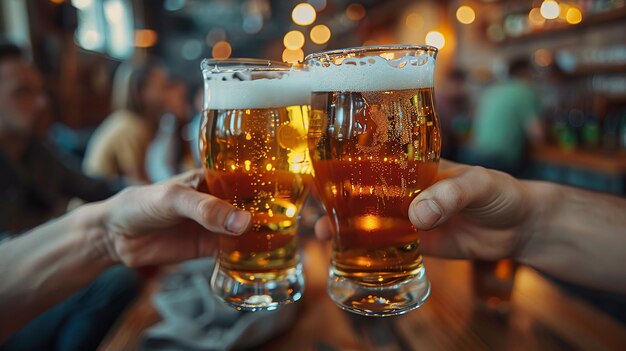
(166, 222)
(470, 212)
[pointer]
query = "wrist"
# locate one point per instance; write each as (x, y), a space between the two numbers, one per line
(91, 221)
(543, 199)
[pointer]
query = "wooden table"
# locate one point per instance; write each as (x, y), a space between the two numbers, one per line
(540, 317)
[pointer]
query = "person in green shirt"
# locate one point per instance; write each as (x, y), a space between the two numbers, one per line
(506, 121)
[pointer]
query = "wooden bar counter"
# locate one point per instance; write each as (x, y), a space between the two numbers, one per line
(592, 170)
(611, 164)
(540, 316)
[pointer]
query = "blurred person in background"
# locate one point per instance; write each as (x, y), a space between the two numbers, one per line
(119, 145)
(506, 122)
(169, 152)
(192, 130)
(35, 185)
(453, 110)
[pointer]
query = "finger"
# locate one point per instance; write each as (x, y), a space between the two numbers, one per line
(446, 165)
(214, 214)
(451, 240)
(192, 179)
(439, 242)
(323, 228)
(444, 199)
(183, 242)
(448, 169)
(309, 215)
(211, 212)
(459, 239)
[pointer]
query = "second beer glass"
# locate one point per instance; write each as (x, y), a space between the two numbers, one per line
(254, 150)
(375, 143)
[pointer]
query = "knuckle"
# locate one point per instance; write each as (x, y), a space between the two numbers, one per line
(167, 195)
(480, 176)
(128, 192)
(190, 178)
(479, 172)
(170, 190)
(213, 209)
(453, 192)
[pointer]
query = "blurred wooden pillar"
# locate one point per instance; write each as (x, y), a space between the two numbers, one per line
(52, 27)
(69, 88)
(78, 80)
(145, 16)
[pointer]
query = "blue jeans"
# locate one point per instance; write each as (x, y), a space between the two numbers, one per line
(81, 321)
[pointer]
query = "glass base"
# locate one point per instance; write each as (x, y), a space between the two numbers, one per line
(257, 292)
(379, 301)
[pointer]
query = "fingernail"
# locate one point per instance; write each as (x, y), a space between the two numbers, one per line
(237, 221)
(427, 212)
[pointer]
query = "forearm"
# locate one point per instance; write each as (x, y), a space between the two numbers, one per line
(577, 236)
(48, 264)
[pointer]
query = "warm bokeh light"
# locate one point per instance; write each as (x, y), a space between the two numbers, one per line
(563, 7)
(370, 42)
(145, 38)
(550, 9)
(465, 14)
(414, 20)
(320, 34)
(436, 39)
(542, 57)
(57, 1)
(294, 40)
(368, 223)
(574, 15)
(355, 12)
(303, 14)
(221, 50)
(293, 56)
(535, 18)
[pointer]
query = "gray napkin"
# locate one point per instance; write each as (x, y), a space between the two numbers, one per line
(194, 319)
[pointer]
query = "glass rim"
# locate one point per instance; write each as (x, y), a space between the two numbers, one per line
(373, 48)
(242, 65)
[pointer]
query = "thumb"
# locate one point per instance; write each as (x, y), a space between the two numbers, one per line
(214, 214)
(444, 199)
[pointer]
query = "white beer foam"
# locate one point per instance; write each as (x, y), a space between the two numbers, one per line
(224, 91)
(373, 73)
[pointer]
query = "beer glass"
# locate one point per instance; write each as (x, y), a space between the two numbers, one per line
(254, 152)
(375, 142)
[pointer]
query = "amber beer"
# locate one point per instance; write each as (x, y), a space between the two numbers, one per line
(373, 150)
(254, 172)
(255, 156)
(371, 189)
